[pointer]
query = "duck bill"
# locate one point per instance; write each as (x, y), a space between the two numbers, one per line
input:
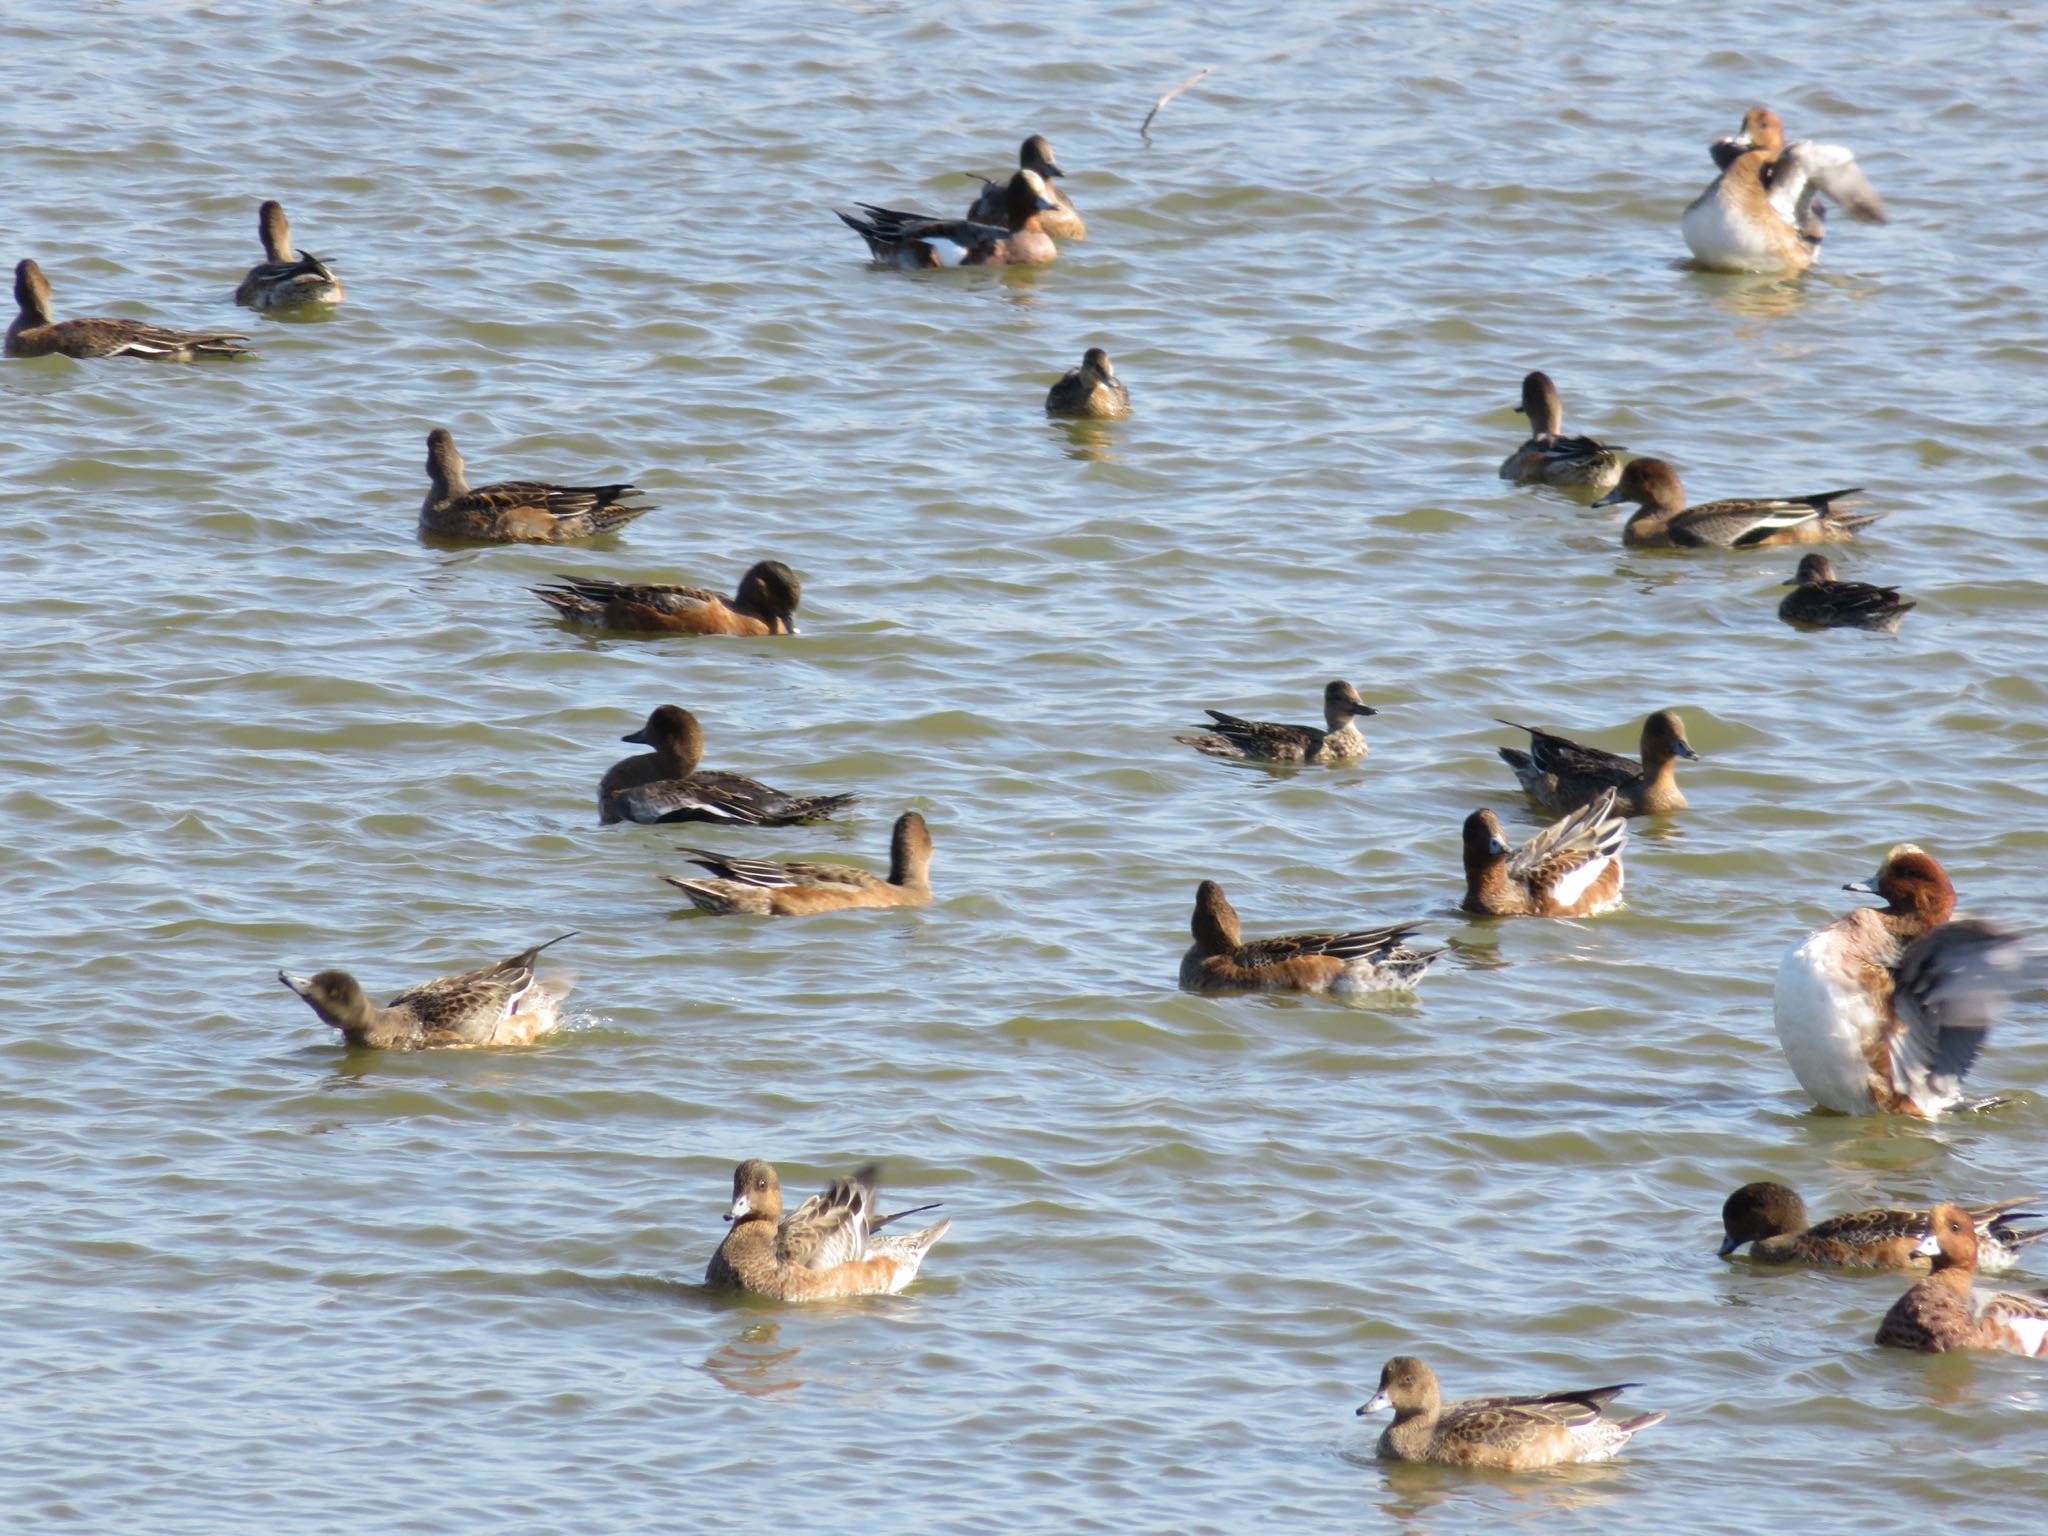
(1375, 1404)
(739, 1209)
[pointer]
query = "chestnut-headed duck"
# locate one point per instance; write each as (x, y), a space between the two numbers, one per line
(1762, 214)
(1818, 600)
(764, 605)
(772, 888)
(1370, 960)
(1093, 389)
(1664, 521)
(1772, 1219)
(1062, 221)
(285, 278)
(1562, 775)
(500, 1004)
(1947, 1311)
(1263, 741)
(1572, 868)
(1884, 1010)
(915, 240)
(1507, 1434)
(823, 1249)
(1549, 457)
(664, 785)
(37, 333)
(516, 511)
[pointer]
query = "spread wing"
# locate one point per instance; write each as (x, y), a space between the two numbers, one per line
(1593, 832)
(1949, 988)
(831, 1228)
(1807, 170)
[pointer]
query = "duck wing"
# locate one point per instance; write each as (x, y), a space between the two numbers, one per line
(1265, 738)
(775, 874)
(1592, 832)
(1807, 170)
(1377, 944)
(1506, 1420)
(831, 1228)
(468, 1008)
(1568, 759)
(1948, 989)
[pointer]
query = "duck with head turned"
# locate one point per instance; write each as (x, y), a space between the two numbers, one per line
(1572, 868)
(285, 278)
(1948, 1310)
(1508, 1434)
(1550, 457)
(1367, 960)
(1885, 1010)
(1664, 521)
(36, 332)
(1093, 389)
(824, 1249)
(666, 784)
(1062, 221)
(516, 511)
(1763, 212)
(914, 240)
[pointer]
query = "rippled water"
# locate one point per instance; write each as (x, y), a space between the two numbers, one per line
(256, 1282)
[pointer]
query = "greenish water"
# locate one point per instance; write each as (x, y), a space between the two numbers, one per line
(254, 1283)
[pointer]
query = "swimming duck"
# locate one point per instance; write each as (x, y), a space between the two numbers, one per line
(1561, 775)
(1062, 221)
(286, 277)
(1370, 960)
(899, 239)
(35, 333)
(1948, 1311)
(1340, 741)
(823, 1249)
(1093, 389)
(1509, 1434)
(1551, 458)
(664, 785)
(764, 605)
(1884, 1010)
(499, 1004)
(1761, 213)
(516, 511)
(1820, 600)
(769, 887)
(1666, 522)
(1772, 1219)
(1572, 868)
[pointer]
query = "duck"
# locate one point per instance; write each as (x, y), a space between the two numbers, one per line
(1062, 221)
(915, 240)
(771, 888)
(1771, 1219)
(37, 333)
(1263, 741)
(664, 785)
(516, 511)
(1885, 1010)
(1818, 600)
(1508, 1434)
(1368, 960)
(1093, 389)
(1572, 868)
(1561, 775)
(499, 1004)
(1551, 458)
(1664, 521)
(1948, 1310)
(285, 278)
(824, 1249)
(1762, 214)
(765, 604)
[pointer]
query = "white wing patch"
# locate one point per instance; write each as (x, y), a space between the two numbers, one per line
(1580, 880)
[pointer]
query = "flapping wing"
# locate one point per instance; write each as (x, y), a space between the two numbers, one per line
(1949, 988)
(1806, 170)
(1593, 832)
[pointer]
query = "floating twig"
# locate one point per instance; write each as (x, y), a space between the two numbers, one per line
(1209, 69)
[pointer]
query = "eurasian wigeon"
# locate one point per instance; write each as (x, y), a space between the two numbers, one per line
(765, 604)
(664, 785)
(499, 1004)
(516, 511)
(772, 888)
(1551, 458)
(1947, 1311)
(1772, 1220)
(1507, 1434)
(1093, 389)
(1340, 740)
(1885, 1009)
(825, 1248)
(37, 333)
(915, 240)
(1561, 775)
(1817, 599)
(1761, 213)
(1062, 221)
(1664, 521)
(1571, 868)
(285, 278)
(1369, 960)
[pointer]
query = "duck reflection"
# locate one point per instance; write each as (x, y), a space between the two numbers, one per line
(751, 1363)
